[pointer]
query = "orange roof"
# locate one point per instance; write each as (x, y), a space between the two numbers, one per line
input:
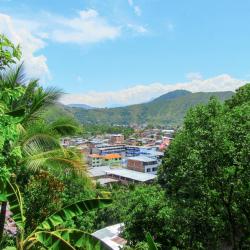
(95, 156)
(111, 156)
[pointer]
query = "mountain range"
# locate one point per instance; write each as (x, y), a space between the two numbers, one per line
(168, 109)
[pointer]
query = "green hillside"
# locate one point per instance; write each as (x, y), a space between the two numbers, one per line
(168, 109)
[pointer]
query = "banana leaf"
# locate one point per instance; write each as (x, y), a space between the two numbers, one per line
(15, 202)
(67, 239)
(71, 211)
(49, 240)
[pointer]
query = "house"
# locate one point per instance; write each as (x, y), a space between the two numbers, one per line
(143, 164)
(95, 160)
(112, 160)
(117, 139)
(109, 149)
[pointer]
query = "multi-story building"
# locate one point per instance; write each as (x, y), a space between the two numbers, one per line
(117, 139)
(96, 160)
(143, 164)
(112, 160)
(132, 151)
(109, 149)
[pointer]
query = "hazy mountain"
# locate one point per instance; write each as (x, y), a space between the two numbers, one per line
(168, 109)
(84, 106)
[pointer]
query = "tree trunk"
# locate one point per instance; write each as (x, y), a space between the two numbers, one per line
(2, 218)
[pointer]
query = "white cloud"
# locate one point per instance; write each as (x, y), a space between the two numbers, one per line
(137, 28)
(36, 65)
(87, 27)
(136, 8)
(144, 93)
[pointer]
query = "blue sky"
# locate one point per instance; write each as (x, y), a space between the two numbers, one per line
(118, 52)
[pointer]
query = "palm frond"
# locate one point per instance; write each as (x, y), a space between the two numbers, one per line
(35, 144)
(41, 99)
(65, 126)
(12, 78)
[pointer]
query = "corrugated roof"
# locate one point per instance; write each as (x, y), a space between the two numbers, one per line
(95, 156)
(110, 235)
(141, 158)
(111, 156)
(133, 175)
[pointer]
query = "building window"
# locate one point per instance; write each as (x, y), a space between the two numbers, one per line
(154, 169)
(148, 169)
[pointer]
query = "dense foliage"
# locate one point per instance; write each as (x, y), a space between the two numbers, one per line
(9, 53)
(206, 173)
(93, 130)
(36, 173)
(203, 200)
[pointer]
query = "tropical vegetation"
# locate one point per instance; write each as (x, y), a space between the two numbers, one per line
(30, 150)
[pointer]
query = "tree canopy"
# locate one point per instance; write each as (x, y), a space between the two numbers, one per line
(206, 172)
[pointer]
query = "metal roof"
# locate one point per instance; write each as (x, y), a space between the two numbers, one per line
(141, 158)
(99, 171)
(104, 181)
(131, 174)
(110, 236)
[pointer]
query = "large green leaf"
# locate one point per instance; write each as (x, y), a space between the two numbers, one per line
(15, 201)
(67, 239)
(72, 211)
(10, 248)
(151, 243)
(49, 240)
(82, 240)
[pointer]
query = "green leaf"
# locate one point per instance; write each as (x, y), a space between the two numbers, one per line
(3, 197)
(81, 239)
(15, 201)
(72, 211)
(66, 239)
(17, 113)
(151, 243)
(10, 248)
(50, 240)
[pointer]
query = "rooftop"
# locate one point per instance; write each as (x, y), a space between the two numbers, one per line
(111, 156)
(110, 236)
(99, 171)
(104, 181)
(95, 156)
(141, 158)
(130, 174)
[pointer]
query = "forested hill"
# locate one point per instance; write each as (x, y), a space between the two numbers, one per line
(168, 109)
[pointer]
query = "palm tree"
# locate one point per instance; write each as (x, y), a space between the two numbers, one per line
(38, 141)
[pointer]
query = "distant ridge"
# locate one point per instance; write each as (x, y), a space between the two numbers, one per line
(172, 95)
(84, 106)
(168, 109)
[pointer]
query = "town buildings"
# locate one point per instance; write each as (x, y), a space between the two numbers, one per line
(111, 158)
